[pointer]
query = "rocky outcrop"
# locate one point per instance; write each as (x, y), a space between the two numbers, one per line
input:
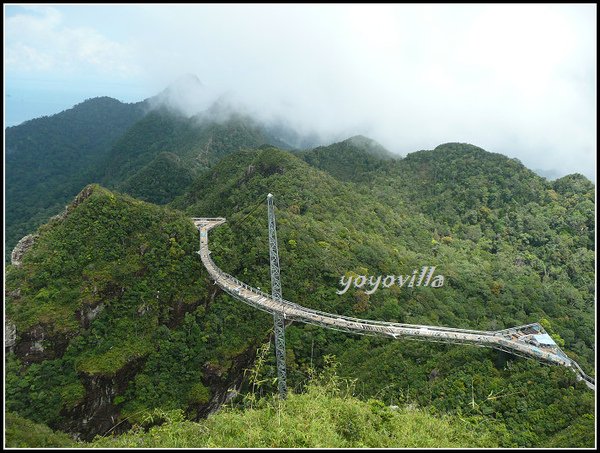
(98, 414)
(27, 242)
(10, 336)
(224, 384)
(21, 248)
(37, 345)
(31, 347)
(88, 313)
(81, 196)
(434, 374)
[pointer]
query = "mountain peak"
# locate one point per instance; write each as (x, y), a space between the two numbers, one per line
(369, 145)
(350, 160)
(188, 79)
(186, 95)
(460, 147)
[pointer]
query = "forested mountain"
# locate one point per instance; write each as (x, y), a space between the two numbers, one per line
(48, 160)
(113, 315)
(150, 150)
(116, 317)
(194, 144)
(353, 159)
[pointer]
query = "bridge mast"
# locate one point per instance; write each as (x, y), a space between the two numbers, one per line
(278, 318)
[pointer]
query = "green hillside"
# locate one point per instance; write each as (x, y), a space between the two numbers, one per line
(165, 338)
(48, 160)
(194, 144)
(159, 181)
(495, 280)
(112, 299)
(144, 149)
(354, 159)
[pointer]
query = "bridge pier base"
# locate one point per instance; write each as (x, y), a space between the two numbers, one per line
(280, 354)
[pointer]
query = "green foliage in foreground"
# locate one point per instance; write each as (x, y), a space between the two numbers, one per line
(326, 415)
(22, 433)
(321, 417)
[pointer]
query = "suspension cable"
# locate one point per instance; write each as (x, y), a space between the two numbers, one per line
(260, 202)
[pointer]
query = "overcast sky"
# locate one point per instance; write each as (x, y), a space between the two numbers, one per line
(514, 79)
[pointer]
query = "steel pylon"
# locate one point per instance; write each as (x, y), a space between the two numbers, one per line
(278, 318)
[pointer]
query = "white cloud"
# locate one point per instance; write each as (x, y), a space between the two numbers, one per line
(38, 41)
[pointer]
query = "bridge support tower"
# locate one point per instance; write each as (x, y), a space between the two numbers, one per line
(279, 319)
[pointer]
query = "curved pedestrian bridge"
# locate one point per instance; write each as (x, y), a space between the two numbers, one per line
(529, 341)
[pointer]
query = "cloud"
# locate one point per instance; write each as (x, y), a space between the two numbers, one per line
(515, 79)
(38, 41)
(186, 95)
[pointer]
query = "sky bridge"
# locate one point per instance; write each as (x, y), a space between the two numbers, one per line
(529, 341)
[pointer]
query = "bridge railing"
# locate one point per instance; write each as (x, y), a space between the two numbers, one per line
(584, 376)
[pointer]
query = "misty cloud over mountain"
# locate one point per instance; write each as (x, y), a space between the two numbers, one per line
(514, 79)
